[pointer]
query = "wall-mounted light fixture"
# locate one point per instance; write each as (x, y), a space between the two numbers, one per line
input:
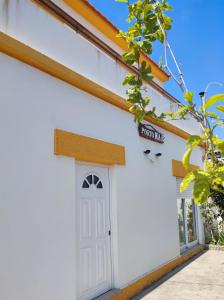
(150, 156)
(158, 154)
(147, 151)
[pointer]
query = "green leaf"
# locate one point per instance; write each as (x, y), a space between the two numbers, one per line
(186, 158)
(145, 71)
(187, 181)
(194, 140)
(221, 239)
(146, 101)
(181, 113)
(218, 180)
(166, 6)
(220, 169)
(132, 80)
(213, 100)
(124, 1)
(146, 47)
(129, 78)
(212, 115)
(189, 97)
(220, 108)
(201, 189)
(131, 57)
(220, 145)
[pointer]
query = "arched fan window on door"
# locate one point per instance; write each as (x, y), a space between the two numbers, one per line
(92, 179)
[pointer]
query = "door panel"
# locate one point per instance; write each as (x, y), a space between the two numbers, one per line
(93, 223)
(85, 226)
(101, 262)
(101, 215)
(85, 271)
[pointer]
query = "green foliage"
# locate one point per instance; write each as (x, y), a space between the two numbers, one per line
(213, 100)
(205, 181)
(220, 108)
(186, 158)
(144, 18)
(201, 189)
(213, 214)
(145, 71)
(182, 113)
(192, 142)
(188, 179)
(188, 96)
(125, 1)
(221, 239)
(149, 23)
(218, 200)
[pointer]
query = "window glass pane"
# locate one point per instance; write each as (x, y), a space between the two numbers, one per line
(85, 185)
(90, 179)
(99, 185)
(180, 205)
(190, 215)
(95, 179)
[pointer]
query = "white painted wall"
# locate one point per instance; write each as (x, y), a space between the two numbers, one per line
(37, 200)
(37, 189)
(30, 24)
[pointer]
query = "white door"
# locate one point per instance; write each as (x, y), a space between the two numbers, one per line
(93, 223)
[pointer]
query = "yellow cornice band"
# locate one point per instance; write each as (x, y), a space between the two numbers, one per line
(83, 8)
(87, 149)
(178, 169)
(28, 55)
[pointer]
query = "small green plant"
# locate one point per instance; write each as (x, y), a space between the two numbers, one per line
(221, 239)
(210, 223)
(218, 200)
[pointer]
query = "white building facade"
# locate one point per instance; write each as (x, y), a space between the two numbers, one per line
(83, 208)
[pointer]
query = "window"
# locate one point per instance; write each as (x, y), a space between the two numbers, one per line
(187, 222)
(92, 179)
(190, 219)
(182, 238)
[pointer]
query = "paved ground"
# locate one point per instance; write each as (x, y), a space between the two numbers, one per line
(202, 278)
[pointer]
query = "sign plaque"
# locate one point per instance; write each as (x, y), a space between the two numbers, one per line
(147, 131)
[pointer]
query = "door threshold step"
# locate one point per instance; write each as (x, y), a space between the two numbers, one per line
(108, 295)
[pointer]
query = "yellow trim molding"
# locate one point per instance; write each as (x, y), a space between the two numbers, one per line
(178, 169)
(30, 56)
(87, 149)
(94, 17)
(138, 286)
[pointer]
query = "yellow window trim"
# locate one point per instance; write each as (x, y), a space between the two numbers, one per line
(30, 56)
(87, 149)
(94, 17)
(138, 286)
(178, 169)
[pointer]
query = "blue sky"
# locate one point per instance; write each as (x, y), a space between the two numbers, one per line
(197, 38)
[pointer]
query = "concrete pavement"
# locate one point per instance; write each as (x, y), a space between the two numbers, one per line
(201, 278)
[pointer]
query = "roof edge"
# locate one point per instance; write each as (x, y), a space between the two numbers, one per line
(24, 53)
(107, 28)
